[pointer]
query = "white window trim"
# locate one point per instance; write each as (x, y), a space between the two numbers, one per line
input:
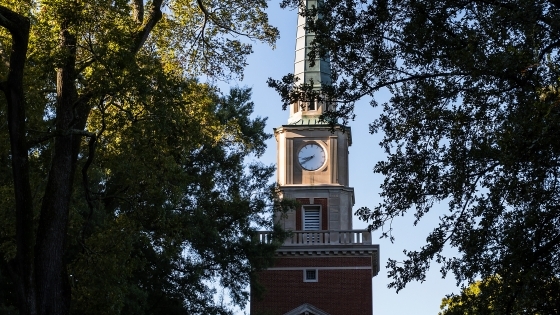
(310, 280)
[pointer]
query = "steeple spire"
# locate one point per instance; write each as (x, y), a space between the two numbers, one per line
(319, 74)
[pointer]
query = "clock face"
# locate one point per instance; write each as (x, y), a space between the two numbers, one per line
(311, 157)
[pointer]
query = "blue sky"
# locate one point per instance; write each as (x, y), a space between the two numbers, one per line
(416, 298)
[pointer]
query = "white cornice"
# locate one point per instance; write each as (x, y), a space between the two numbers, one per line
(357, 250)
(318, 250)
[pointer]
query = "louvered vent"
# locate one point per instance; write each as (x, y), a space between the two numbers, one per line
(311, 221)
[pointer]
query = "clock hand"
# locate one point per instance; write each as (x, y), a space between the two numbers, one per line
(307, 159)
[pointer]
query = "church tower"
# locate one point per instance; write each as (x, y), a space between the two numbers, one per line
(325, 267)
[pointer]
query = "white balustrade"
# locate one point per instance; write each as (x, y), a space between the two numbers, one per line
(324, 237)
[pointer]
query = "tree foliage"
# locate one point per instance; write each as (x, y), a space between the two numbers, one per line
(124, 187)
(454, 304)
(474, 299)
(165, 239)
(473, 123)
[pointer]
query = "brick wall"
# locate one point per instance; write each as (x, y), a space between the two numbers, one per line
(323, 261)
(337, 292)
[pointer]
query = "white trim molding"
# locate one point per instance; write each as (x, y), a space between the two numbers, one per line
(306, 309)
(320, 268)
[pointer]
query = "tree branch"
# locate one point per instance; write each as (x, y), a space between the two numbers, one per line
(548, 49)
(146, 29)
(210, 16)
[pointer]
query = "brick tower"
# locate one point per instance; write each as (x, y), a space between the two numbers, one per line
(325, 267)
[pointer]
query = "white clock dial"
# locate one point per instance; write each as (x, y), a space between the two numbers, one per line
(311, 157)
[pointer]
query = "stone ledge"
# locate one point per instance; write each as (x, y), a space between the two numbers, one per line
(328, 249)
(334, 251)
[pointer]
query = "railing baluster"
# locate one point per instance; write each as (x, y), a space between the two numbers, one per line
(320, 237)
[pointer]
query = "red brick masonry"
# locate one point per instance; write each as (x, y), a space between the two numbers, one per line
(337, 292)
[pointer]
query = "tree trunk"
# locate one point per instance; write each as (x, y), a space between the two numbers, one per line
(22, 267)
(53, 289)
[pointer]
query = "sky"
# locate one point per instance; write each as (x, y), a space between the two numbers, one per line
(417, 298)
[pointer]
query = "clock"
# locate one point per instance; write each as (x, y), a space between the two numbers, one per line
(311, 156)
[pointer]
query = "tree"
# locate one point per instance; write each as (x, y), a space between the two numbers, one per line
(67, 68)
(475, 300)
(472, 123)
(161, 237)
(454, 304)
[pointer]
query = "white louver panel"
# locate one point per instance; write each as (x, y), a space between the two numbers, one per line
(311, 219)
